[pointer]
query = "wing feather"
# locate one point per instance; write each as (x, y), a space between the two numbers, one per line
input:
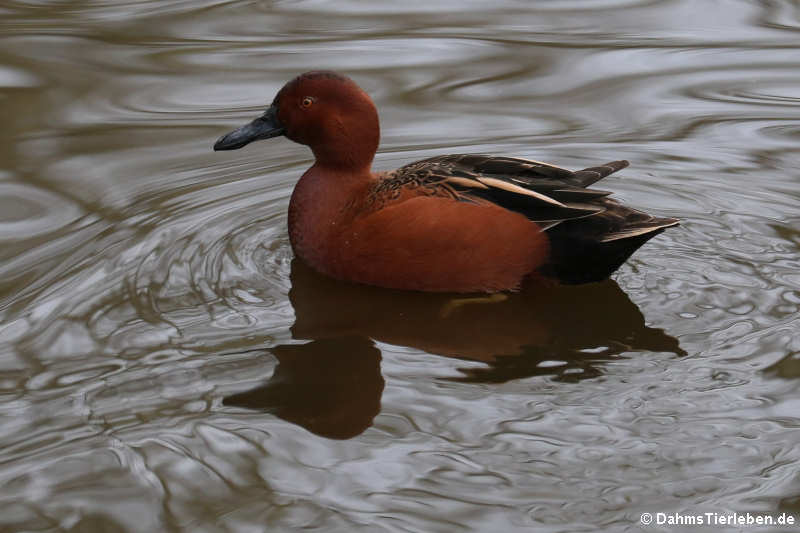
(544, 193)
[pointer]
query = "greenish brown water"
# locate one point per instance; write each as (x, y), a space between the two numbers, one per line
(166, 366)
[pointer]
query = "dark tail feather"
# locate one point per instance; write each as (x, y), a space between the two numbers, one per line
(577, 259)
(587, 176)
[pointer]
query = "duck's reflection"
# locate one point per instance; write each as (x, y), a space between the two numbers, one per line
(332, 385)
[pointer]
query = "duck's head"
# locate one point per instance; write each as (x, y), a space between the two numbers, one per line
(324, 110)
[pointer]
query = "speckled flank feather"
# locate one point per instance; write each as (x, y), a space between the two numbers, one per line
(539, 191)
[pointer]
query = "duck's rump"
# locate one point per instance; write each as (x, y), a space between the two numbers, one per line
(592, 248)
(590, 234)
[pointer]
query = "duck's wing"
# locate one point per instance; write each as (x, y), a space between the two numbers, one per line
(544, 193)
(590, 234)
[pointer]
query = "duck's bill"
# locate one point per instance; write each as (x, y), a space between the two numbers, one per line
(264, 127)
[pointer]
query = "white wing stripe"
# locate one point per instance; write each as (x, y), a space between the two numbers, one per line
(510, 187)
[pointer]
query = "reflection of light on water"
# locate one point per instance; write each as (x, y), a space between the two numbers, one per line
(26, 212)
(11, 77)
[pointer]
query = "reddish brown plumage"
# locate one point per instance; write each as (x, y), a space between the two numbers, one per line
(435, 244)
(460, 223)
(415, 242)
(341, 127)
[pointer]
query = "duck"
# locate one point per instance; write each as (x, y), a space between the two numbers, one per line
(457, 223)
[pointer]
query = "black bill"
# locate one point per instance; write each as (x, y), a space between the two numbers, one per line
(264, 127)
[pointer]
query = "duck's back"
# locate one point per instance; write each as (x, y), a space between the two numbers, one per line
(590, 235)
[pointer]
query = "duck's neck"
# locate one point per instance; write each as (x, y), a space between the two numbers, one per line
(321, 202)
(347, 142)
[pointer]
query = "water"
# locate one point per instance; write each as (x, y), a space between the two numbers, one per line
(166, 366)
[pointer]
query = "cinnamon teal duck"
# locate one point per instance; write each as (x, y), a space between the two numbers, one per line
(451, 223)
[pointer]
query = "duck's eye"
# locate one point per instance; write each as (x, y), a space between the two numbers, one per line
(307, 102)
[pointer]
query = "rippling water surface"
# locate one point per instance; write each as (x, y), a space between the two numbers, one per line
(165, 365)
